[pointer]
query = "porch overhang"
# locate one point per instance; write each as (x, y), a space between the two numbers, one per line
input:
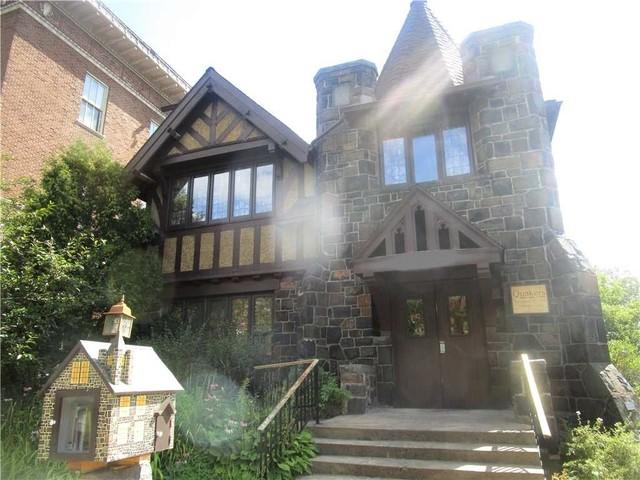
(428, 260)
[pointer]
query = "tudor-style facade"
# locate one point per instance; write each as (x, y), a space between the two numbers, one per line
(400, 236)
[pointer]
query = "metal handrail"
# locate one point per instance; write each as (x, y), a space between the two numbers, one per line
(534, 395)
(263, 426)
(297, 405)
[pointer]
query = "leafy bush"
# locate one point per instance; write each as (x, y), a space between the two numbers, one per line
(332, 396)
(19, 424)
(216, 436)
(594, 452)
(620, 296)
(71, 246)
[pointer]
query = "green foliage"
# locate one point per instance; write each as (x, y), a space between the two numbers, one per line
(71, 245)
(621, 310)
(332, 396)
(18, 426)
(593, 452)
(191, 351)
(216, 436)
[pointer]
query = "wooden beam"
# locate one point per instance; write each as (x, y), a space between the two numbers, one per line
(212, 151)
(427, 260)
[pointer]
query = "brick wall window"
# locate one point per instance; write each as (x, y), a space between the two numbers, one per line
(93, 103)
(224, 315)
(427, 156)
(225, 195)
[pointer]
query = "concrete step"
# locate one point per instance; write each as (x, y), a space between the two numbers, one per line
(397, 468)
(446, 451)
(493, 437)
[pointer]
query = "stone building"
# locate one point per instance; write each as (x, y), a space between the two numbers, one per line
(108, 401)
(419, 237)
(73, 70)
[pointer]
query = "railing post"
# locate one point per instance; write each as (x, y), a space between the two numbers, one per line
(316, 393)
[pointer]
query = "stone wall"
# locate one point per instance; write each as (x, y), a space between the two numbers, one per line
(511, 196)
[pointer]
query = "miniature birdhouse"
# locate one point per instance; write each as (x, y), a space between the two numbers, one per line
(108, 402)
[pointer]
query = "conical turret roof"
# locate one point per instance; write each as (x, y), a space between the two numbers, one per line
(423, 57)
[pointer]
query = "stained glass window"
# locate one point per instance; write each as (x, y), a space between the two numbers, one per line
(425, 159)
(415, 317)
(456, 151)
(79, 372)
(459, 321)
(395, 166)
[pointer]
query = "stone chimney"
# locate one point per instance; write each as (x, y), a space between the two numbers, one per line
(342, 86)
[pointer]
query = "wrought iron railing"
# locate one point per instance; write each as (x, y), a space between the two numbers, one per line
(292, 390)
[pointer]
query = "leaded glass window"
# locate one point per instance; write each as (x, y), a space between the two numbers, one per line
(456, 151)
(264, 189)
(425, 159)
(395, 166)
(199, 199)
(179, 200)
(242, 193)
(220, 207)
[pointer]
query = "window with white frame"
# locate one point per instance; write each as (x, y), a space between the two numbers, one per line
(93, 103)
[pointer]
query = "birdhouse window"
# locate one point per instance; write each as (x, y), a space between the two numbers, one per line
(125, 403)
(76, 426)
(80, 372)
(141, 403)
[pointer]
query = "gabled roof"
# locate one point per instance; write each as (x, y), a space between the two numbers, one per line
(466, 244)
(213, 82)
(423, 57)
(148, 371)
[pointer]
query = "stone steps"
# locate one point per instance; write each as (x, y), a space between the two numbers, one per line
(401, 444)
(448, 451)
(397, 468)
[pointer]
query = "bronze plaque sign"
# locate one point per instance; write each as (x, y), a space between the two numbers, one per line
(527, 299)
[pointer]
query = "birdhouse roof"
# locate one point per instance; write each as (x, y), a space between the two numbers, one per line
(148, 372)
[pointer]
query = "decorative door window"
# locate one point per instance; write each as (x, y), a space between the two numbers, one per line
(459, 319)
(415, 317)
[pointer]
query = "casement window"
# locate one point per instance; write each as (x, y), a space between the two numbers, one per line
(93, 103)
(227, 195)
(427, 157)
(225, 315)
(153, 126)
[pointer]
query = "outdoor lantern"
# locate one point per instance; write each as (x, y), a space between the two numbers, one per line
(118, 320)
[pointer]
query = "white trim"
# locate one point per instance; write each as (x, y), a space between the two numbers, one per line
(81, 52)
(116, 56)
(101, 108)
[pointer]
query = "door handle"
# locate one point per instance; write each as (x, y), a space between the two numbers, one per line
(443, 348)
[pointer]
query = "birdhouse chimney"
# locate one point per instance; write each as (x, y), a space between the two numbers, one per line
(118, 322)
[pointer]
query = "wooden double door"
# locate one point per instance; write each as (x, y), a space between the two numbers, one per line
(439, 345)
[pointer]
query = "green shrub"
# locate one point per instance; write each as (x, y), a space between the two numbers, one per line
(332, 396)
(594, 452)
(19, 424)
(216, 436)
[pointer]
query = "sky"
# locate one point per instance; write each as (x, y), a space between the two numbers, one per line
(587, 54)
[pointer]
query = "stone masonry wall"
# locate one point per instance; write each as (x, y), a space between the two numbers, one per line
(511, 196)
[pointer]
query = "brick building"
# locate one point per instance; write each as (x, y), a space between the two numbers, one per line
(418, 237)
(73, 70)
